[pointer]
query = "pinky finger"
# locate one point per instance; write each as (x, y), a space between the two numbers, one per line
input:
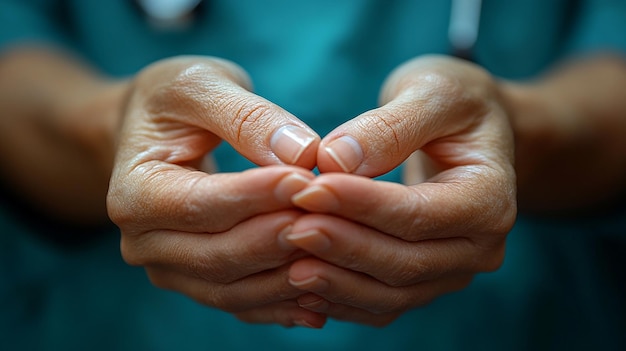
(251, 292)
(285, 313)
(346, 313)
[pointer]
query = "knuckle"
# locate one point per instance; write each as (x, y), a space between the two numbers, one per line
(507, 217)
(190, 74)
(130, 198)
(498, 208)
(439, 93)
(432, 87)
(180, 81)
(502, 207)
(117, 212)
(180, 87)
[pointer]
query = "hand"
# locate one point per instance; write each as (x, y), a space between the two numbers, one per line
(379, 249)
(214, 237)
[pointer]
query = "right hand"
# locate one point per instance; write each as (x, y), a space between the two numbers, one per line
(218, 237)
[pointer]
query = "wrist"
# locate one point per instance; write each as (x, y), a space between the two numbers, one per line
(90, 120)
(58, 132)
(548, 136)
(567, 154)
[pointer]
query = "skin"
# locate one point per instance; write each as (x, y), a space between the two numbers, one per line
(59, 118)
(214, 237)
(378, 249)
(277, 244)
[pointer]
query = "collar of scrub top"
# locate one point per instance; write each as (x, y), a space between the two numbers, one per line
(463, 27)
(169, 14)
(462, 30)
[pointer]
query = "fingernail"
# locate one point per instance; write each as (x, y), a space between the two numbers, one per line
(347, 152)
(283, 242)
(316, 198)
(313, 303)
(312, 240)
(313, 283)
(289, 142)
(289, 186)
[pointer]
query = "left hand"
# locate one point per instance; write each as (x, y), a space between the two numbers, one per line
(378, 248)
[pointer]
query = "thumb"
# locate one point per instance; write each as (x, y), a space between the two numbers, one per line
(213, 95)
(371, 144)
(424, 101)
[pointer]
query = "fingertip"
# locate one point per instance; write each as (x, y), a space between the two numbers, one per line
(311, 240)
(307, 274)
(310, 319)
(308, 157)
(286, 313)
(313, 302)
(317, 198)
(343, 154)
(295, 145)
(290, 185)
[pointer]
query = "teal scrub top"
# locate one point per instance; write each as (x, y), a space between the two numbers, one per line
(562, 284)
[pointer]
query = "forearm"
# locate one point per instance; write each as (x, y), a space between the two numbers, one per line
(56, 137)
(571, 136)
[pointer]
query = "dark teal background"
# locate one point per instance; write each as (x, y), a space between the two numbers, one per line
(562, 283)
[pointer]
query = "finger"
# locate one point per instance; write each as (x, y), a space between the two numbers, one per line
(255, 291)
(359, 290)
(475, 202)
(346, 313)
(253, 246)
(388, 259)
(213, 95)
(285, 313)
(162, 196)
(425, 100)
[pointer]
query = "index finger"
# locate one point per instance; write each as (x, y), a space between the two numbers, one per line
(459, 202)
(158, 195)
(214, 95)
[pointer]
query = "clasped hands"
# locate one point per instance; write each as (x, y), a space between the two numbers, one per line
(276, 244)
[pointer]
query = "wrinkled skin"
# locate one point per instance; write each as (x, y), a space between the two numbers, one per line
(277, 244)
